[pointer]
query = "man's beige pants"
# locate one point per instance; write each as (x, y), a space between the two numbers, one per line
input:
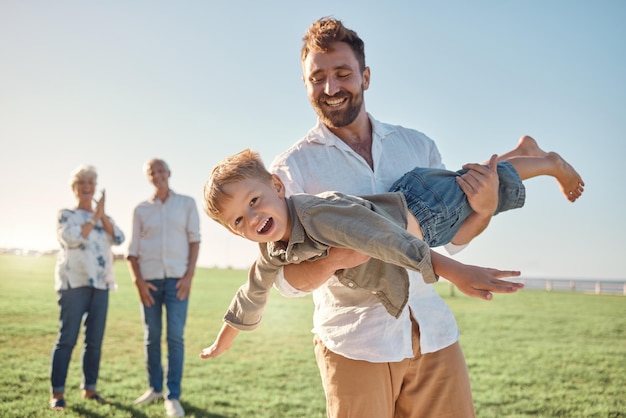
(426, 386)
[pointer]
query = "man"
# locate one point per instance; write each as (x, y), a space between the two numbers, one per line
(371, 364)
(162, 257)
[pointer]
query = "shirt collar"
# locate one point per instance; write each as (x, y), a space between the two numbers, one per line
(322, 135)
(296, 236)
(154, 199)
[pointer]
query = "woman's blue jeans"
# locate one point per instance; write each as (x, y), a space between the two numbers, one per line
(176, 315)
(92, 304)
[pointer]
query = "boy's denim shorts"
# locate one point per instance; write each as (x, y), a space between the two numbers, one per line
(439, 204)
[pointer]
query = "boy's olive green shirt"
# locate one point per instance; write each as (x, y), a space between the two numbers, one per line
(374, 225)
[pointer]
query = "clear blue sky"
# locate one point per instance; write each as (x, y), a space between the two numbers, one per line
(115, 83)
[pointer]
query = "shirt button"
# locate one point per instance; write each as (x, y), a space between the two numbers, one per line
(295, 258)
(351, 284)
(374, 292)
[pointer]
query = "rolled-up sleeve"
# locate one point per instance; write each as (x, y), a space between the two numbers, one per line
(133, 246)
(193, 223)
(284, 288)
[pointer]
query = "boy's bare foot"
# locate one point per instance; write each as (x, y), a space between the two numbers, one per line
(570, 182)
(528, 147)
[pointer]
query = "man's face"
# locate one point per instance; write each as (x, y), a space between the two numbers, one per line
(335, 85)
(158, 175)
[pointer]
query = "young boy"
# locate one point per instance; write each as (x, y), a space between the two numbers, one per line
(249, 201)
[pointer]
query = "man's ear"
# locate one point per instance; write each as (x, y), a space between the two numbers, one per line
(366, 78)
(278, 185)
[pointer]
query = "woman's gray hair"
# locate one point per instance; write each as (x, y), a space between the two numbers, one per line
(83, 171)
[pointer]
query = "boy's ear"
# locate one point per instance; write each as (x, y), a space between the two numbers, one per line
(278, 186)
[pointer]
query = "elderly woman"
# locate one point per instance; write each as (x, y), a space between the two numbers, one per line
(83, 277)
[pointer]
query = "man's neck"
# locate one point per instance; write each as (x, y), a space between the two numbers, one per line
(358, 136)
(162, 194)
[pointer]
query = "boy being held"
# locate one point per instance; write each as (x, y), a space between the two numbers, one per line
(244, 197)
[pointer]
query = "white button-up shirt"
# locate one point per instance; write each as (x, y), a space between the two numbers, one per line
(161, 235)
(355, 324)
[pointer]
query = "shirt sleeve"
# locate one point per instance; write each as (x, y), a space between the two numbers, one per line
(247, 307)
(133, 246)
(289, 174)
(193, 222)
(69, 232)
(361, 225)
(454, 249)
(118, 236)
(284, 288)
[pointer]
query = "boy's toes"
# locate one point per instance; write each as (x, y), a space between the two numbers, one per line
(573, 196)
(575, 193)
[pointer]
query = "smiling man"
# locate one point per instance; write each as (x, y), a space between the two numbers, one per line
(372, 364)
(162, 259)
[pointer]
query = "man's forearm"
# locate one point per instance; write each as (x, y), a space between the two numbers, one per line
(309, 275)
(194, 250)
(135, 271)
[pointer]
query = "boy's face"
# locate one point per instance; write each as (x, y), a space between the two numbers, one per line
(257, 210)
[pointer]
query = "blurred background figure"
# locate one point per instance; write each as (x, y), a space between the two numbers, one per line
(83, 278)
(162, 257)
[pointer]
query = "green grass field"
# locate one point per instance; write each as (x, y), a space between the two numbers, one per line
(533, 354)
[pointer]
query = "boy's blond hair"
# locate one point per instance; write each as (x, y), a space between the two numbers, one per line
(244, 165)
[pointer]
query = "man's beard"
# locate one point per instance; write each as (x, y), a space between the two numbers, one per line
(338, 118)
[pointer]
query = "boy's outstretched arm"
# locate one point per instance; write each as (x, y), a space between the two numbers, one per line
(223, 342)
(478, 282)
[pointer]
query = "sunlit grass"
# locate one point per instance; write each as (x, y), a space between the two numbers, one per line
(533, 354)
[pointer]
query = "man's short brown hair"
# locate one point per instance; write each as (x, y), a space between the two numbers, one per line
(324, 32)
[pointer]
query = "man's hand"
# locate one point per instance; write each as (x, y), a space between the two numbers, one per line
(480, 185)
(143, 288)
(183, 286)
